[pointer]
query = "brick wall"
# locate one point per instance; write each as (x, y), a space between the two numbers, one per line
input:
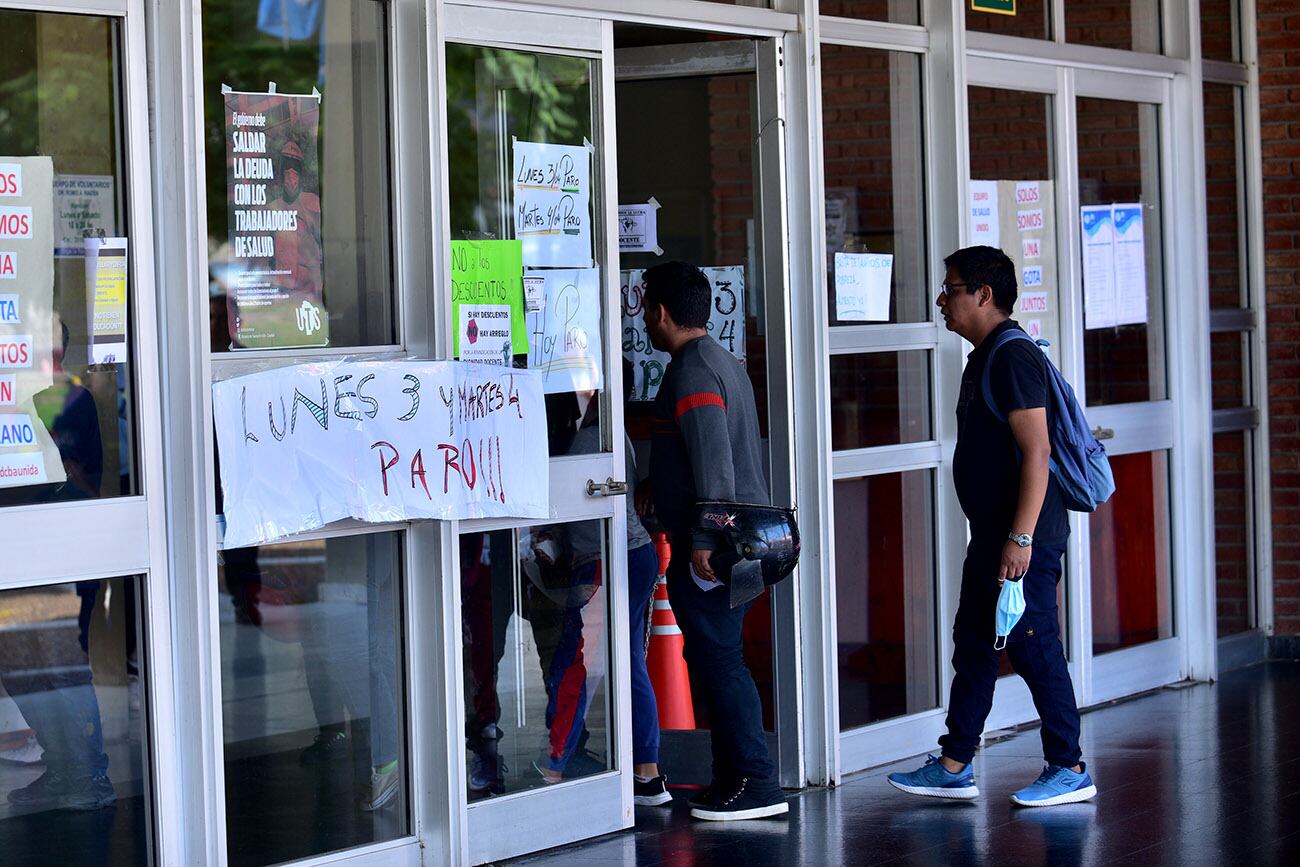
(1278, 23)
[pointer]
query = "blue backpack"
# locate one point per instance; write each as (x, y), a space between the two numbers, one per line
(1078, 461)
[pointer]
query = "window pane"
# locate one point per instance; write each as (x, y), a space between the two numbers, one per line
(875, 186)
(73, 741)
(67, 383)
(1011, 164)
(1130, 534)
(1130, 25)
(1224, 202)
(893, 11)
(880, 399)
(1234, 533)
(885, 606)
(1030, 18)
(299, 243)
(1220, 30)
(497, 101)
(312, 697)
(1229, 372)
(536, 696)
(1124, 340)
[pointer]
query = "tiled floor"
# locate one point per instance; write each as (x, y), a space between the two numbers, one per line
(1187, 776)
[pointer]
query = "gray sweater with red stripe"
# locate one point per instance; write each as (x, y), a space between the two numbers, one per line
(706, 442)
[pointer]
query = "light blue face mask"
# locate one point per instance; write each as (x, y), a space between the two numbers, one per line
(1011, 605)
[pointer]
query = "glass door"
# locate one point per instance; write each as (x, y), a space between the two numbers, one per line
(530, 180)
(1124, 157)
(84, 593)
(1015, 202)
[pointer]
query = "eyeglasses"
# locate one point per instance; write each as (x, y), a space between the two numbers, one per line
(945, 288)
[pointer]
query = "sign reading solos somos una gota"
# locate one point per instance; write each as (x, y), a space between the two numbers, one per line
(275, 296)
(28, 455)
(379, 441)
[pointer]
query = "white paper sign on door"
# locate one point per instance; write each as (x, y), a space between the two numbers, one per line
(1130, 265)
(552, 204)
(638, 228)
(564, 335)
(1097, 230)
(982, 211)
(862, 286)
(485, 333)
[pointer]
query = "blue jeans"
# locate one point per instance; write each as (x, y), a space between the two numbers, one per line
(642, 573)
(714, 651)
(1034, 649)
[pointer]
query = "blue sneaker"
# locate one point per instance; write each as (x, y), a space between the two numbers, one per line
(934, 780)
(1056, 785)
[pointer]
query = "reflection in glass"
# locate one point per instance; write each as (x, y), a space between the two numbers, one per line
(884, 596)
(1130, 555)
(1031, 20)
(1129, 25)
(312, 706)
(1229, 369)
(60, 98)
(1119, 162)
(875, 182)
(880, 399)
(1221, 30)
(338, 48)
(72, 726)
(893, 11)
(494, 97)
(1234, 533)
(1225, 216)
(536, 698)
(1010, 134)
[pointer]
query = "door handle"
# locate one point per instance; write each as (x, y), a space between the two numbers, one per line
(1103, 433)
(607, 488)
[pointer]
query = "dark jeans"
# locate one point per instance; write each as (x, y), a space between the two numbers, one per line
(714, 653)
(1034, 649)
(642, 574)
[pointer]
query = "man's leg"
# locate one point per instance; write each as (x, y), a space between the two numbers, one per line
(974, 661)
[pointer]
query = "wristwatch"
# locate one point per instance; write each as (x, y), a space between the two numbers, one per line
(1024, 540)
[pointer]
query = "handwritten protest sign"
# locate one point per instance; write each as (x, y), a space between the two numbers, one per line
(564, 335)
(726, 325)
(380, 441)
(488, 273)
(552, 206)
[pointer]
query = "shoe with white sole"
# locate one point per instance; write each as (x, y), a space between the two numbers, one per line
(1057, 785)
(651, 793)
(933, 780)
(748, 798)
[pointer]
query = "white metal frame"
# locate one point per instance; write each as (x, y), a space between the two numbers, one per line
(124, 536)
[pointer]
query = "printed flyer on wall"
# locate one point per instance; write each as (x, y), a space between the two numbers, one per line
(276, 296)
(552, 204)
(488, 276)
(28, 455)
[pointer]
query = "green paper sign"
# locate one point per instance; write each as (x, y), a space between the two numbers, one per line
(997, 7)
(486, 274)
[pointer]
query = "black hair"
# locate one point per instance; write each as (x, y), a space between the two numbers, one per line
(682, 289)
(987, 266)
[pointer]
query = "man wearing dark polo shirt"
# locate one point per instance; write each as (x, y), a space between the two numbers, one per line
(1018, 530)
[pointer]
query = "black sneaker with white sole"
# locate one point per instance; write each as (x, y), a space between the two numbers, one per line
(706, 795)
(748, 798)
(651, 793)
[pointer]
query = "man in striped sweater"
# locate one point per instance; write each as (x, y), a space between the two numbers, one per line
(706, 447)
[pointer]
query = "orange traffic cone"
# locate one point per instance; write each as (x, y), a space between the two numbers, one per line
(664, 658)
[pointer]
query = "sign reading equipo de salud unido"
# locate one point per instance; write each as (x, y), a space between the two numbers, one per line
(380, 441)
(552, 204)
(726, 325)
(487, 301)
(28, 455)
(276, 296)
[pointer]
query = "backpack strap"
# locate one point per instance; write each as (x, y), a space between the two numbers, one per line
(986, 384)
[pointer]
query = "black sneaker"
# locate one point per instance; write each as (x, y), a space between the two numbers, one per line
(705, 795)
(328, 746)
(651, 793)
(94, 792)
(747, 799)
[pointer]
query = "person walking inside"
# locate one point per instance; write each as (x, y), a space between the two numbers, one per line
(1018, 532)
(706, 447)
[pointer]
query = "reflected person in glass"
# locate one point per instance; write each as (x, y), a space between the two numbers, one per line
(1018, 532)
